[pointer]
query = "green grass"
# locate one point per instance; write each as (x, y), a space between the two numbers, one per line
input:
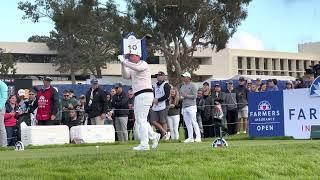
(243, 159)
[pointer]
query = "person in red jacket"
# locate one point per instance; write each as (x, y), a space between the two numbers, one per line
(10, 119)
(47, 103)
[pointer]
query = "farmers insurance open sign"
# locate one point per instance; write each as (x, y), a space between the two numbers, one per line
(283, 113)
(266, 114)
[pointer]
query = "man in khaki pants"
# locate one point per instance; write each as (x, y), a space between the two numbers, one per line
(3, 99)
(96, 104)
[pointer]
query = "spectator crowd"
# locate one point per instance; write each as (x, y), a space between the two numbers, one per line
(201, 112)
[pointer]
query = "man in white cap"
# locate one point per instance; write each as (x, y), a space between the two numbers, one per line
(138, 71)
(188, 93)
(21, 93)
(22, 100)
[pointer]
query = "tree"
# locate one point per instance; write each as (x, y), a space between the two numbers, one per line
(99, 37)
(83, 34)
(179, 27)
(7, 64)
(39, 39)
(66, 20)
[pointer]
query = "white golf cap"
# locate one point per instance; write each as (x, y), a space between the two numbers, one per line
(21, 92)
(186, 74)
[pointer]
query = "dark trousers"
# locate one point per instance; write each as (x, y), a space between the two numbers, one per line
(181, 124)
(232, 119)
(217, 124)
(199, 120)
(23, 118)
(130, 126)
(208, 129)
(11, 137)
(47, 122)
(65, 118)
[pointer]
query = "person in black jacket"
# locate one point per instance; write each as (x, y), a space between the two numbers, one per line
(200, 109)
(207, 120)
(74, 120)
(96, 104)
(121, 112)
(131, 119)
(174, 113)
(109, 118)
(242, 101)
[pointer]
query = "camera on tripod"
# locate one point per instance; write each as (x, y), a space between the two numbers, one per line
(315, 70)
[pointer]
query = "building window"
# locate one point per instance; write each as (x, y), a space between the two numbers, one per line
(249, 72)
(248, 63)
(257, 62)
(290, 73)
(312, 63)
(273, 64)
(154, 60)
(297, 65)
(305, 65)
(298, 75)
(34, 58)
(265, 63)
(239, 62)
(281, 64)
(240, 72)
(289, 65)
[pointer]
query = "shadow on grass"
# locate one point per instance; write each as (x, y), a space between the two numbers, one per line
(240, 137)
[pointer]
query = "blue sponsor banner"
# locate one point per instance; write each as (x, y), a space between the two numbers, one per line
(266, 114)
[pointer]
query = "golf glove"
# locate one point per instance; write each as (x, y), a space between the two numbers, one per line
(121, 58)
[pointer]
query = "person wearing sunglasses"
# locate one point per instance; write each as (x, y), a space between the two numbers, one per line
(65, 104)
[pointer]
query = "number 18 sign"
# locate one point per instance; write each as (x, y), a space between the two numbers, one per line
(132, 45)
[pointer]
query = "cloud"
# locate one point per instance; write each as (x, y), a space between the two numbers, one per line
(245, 40)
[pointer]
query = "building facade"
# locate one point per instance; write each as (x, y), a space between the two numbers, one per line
(35, 59)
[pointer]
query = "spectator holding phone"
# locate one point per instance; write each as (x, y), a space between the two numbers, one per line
(68, 102)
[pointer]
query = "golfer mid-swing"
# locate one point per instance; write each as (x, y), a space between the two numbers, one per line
(138, 71)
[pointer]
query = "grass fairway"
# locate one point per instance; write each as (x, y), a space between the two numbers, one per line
(250, 159)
